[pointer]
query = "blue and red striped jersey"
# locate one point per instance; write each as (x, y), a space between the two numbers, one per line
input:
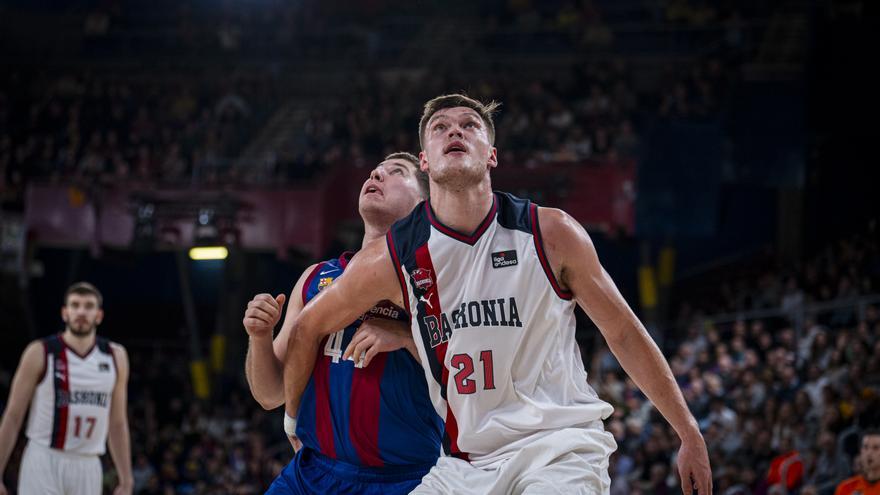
(376, 416)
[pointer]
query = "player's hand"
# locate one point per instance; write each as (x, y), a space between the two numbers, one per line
(295, 442)
(374, 336)
(124, 488)
(262, 314)
(693, 466)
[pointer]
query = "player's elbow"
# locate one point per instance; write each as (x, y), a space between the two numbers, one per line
(269, 402)
(302, 331)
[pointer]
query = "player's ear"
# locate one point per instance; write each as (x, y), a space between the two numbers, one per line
(423, 161)
(100, 317)
(493, 157)
(64, 313)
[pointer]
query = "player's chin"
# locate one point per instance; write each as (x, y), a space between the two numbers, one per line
(82, 329)
(370, 202)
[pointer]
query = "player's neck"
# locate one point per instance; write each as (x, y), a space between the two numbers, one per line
(872, 476)
(80, 344)
(374, 230)
(462, 209)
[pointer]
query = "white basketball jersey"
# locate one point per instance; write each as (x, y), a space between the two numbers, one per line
(495, 332)
(70, 410)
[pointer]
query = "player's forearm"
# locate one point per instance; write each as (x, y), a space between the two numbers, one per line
(119, 442)
(264, 373)
(645, 364)
(9, 428)
(302, 350)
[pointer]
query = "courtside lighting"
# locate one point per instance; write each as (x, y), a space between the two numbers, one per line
(208, 253)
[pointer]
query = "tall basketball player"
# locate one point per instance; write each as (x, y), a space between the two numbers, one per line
(75, 383)
(365, 426)
(491, 281)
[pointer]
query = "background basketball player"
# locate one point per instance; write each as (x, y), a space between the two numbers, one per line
(75, 383)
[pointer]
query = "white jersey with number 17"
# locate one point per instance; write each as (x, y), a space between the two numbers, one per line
(70, 409)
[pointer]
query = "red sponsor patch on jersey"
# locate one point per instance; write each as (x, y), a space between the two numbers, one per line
(422, 279)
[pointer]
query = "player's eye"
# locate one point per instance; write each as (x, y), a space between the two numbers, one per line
(470, 124)
(397, 171)
(439, 127)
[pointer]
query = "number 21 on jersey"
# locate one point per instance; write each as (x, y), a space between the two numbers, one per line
(464, 363)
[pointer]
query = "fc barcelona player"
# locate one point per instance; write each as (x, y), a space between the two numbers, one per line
(75, 383)
(366, 424)
(491, 281)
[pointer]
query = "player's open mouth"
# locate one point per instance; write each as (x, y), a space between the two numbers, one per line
(373, 190)
(455, 147)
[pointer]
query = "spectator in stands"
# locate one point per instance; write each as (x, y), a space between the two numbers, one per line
(787, 468)
(867, 482)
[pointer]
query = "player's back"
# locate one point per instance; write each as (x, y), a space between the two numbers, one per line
(378, 416)
(70, 408)
(495, 330)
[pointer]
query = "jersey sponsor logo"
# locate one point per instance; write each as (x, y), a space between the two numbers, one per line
(426, 301)
(484, 313)
(504, 258)
(422, 279)
(83, 397)
(386, 311)
(324, 282)
(103, 366)
(60, 370)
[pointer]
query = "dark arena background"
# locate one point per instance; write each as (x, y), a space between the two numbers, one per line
(716, 152)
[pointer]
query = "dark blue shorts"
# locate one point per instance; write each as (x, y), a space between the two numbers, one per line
(312, 473)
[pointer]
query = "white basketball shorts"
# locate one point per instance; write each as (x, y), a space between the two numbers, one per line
(46, 471)
(568, 461)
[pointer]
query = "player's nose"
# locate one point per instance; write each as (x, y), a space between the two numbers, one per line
(455, 131)
(378, 174)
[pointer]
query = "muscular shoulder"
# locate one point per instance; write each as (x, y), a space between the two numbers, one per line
(566, 242)
(117, 348)
(559, 228)
(33, 359)
(120, 355)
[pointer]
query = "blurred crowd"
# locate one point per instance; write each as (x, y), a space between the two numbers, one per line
(108, 129)
(781, 408)
(582, 116)
(109, 123)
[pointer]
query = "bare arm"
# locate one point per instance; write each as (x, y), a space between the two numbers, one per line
(263, 365)
(369, 278)
(576, 264)
(30, 367)
(119, 439)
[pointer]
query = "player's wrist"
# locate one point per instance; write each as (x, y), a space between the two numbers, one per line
(289, 425)
(261, 337)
